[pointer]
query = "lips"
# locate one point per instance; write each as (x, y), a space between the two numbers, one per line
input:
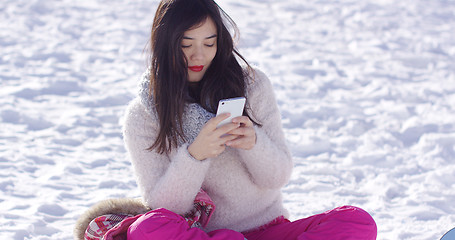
(196, 68)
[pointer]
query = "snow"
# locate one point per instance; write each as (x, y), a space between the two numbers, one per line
(366, 90)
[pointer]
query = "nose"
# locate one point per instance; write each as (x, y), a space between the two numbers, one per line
(197, 54)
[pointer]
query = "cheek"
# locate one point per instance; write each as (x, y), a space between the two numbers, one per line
(213, 53)
(185, 55)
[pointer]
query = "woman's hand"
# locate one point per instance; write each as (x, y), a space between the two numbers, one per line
(245, 135)
(211, 141)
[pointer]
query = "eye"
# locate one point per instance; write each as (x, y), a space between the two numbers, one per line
(210, 45)
(186, 46)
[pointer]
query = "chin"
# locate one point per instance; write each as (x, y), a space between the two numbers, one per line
(195, 77)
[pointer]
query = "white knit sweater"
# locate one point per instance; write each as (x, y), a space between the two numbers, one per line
(244, 184)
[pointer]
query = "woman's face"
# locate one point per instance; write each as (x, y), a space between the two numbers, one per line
(199, 47)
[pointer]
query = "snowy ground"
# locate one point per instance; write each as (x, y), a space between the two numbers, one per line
(366, 89)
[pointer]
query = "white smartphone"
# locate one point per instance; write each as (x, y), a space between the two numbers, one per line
(234, 106)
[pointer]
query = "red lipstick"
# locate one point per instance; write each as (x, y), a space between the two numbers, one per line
(196, 68)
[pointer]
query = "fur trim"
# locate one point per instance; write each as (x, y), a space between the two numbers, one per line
(133, 206)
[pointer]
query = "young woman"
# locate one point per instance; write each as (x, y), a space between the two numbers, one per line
(227, 179)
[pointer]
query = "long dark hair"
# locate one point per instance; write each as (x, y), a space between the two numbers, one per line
(169, 85)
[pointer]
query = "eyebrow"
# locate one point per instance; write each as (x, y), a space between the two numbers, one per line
(213, 36)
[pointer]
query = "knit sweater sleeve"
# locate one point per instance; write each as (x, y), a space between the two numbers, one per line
(269, 162)
(168, 181)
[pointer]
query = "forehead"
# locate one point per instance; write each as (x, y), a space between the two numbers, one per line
(204, 29)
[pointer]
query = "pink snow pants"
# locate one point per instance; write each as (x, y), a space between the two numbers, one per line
(164, 224)
(343, 223)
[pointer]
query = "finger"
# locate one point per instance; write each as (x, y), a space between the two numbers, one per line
(227, 138)
(243, 119)
(242, 131)
(226, 128)
(212, 123)
(221, 141)
(216, 152)
(241, 142)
